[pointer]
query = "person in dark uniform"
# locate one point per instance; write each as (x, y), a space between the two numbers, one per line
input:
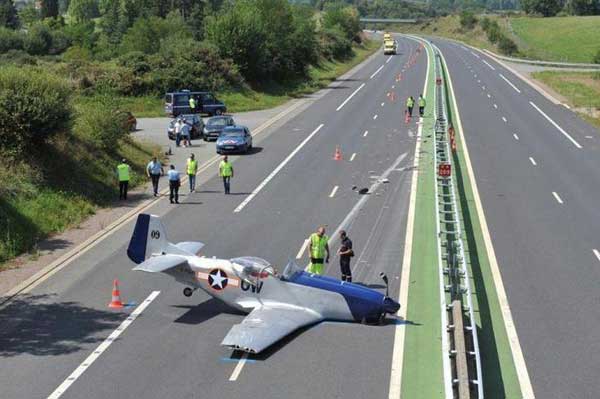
(345, 253)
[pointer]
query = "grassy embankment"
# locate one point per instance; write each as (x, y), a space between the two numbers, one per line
(268, 96)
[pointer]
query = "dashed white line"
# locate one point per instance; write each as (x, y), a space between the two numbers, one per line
(532, 161)
(504, 119)
(389, 59)
(350, 97)
(488, 64)
(376, 72)
(596, 253)
(365, 133)
(476, 55)
(515, 136)
(560, 129)
(302, 249)
(558, 199)
(393, 86)
(62, 388)
(482, 87)
(277, 169)
(374, 116)
(333, 191)
(510, 83)
(478, 80)
(352, 157)
(238, 367)
(382, 104)
(489, 96)
(495, 106)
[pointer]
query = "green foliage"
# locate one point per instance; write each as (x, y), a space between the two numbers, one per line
(146, 34)
(38, 40)
(584, 7)
(49, 8)
(34, 105)
(103, 124)
(344, 17)
(8, 15)
(467, 20)
(29, 15)
(83, 10)
(596, 59)
(82, 34)
(334, 44)
(10, 39)
(507, 46)
(546, 8)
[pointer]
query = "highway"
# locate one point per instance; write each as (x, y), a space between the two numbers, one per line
(280, 194)
(536, 165)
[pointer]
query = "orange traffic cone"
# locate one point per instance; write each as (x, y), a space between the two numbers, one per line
(116, 296)
(337, 156)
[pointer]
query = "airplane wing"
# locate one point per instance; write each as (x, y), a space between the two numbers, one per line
(160, 263)
(266, 325)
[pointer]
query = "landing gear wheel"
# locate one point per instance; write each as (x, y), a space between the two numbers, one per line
(187, 291)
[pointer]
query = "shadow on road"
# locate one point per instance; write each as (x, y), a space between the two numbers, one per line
(205, 311)
(35, 325)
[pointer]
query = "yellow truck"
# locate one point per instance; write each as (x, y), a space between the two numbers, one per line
(390, 47)
(387, 36)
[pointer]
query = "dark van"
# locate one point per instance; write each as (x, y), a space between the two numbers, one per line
(178, 102)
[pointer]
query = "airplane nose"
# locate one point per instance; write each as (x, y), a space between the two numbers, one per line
(390, 306)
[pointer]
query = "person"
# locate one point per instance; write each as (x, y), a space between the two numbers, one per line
(174, 183)
(154, 170)
(226, 172)
(317, 248)
(410, 103)
(185, 133)
(421, 105)
(177, 129)
(345, 253)
(192, 105)
(123, 176)
(192, 169)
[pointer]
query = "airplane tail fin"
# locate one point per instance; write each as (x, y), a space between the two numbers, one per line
(148, 238)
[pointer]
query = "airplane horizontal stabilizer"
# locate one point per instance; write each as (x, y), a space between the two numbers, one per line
(193, 247)
(265, 325)
(161, 263)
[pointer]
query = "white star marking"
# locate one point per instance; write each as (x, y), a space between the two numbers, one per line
(217, 280)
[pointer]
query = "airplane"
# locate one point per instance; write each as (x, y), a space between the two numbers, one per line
(277, 304)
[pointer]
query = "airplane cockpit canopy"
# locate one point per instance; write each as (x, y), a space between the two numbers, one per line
(291, 269)
(250, 267)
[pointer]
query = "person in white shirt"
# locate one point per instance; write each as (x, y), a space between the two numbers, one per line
(154, 170)
(177, 130)
(174, 183)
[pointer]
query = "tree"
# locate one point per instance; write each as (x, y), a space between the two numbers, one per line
(83, 10)
(467, 19)
(8, 15)
(584, 7)
(547, 8)
(345, 17)
(49, 9)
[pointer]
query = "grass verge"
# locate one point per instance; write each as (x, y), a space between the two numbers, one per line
(262, 97)
(581, 89)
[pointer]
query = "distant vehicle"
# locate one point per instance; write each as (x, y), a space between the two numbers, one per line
(277, 303)
(215, 125)
(390, 47)
(234, 139)
(177, 103)
(193, 120)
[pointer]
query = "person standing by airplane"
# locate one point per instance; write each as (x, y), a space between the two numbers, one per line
(154, 170)
(421, 105)
(410, 103)
(174, 183)
(192, 169)
(317, 248)
(226, 172)
(345, 253)
(123, 176)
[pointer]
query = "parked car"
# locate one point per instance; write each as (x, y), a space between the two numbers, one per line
(215, 125)
(177, 103)
(234, 139)
(195, 122)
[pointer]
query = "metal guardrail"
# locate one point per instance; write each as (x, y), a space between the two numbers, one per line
(555, 64)
(462, 361)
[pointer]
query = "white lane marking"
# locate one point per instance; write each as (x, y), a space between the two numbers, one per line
(557, 197)
(365, 133)
(478, 80)
(510, 83)
(393, 86)
(238, 367)
(566, 106)
(532, 161)
(488, 64)
(509, 324)
(489, 96)
(389, 59)
(597, 254)
(382, 104)
(277, 169)
(352, 157)
(504, 119)
(560, 129)
(515, 136)
(333, 192)
(476, 55)
(302, 249)
(400, 329)
(374, 116)
(62, 388)
(350, 97)
(482, 87)
(495, 106)
(376, 72)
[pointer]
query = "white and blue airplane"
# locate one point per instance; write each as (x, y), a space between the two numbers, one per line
(278, 304)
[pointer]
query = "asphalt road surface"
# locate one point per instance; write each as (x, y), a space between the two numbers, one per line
(536, 166)
(173, 348)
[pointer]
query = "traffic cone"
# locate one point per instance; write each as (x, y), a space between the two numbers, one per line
(116, 296)
(337, 156)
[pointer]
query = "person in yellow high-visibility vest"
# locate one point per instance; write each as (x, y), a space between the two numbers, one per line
(226, 172)
(319, 250)
(410, 103)
(123, 176)
(421, 105)
(192, 169)
(192, 105)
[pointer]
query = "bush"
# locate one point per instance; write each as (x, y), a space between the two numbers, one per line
(467, 20)
(38, 40)
(485, 23)
(18, 57)
(507, 46)
(102, 123)
(10, 40)
(494, 33)
(146, 34)
(334, 44)
(60, 42)
(34, 105)
(596, 59)
(344, 17)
